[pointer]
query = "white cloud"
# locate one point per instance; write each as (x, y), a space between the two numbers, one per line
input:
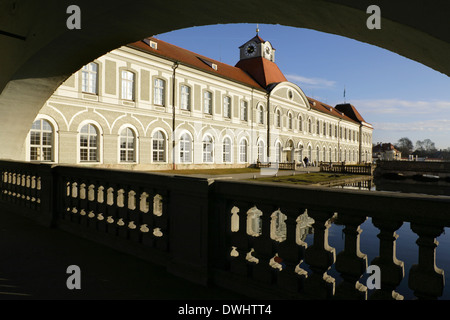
(440, 125)
(402, 107)
(310, 82)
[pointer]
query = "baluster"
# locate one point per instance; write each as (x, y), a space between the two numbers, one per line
(351, 262)
(122, 211)
(101, 198)
(146, 228)
(425, 279)
(74, 201)
(320, 256)
(161, 221)
(111, 192)
(134, 216)
(92, 205)
(263, 246)
(82, 203)
(392, 269)
(291, 254)
(239, 239)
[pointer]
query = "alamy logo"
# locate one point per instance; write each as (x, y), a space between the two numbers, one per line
(74, 280)
(374, 280)
(74, 20)
(374, 21)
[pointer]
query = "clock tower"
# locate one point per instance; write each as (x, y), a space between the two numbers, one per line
(257, 47)
(257, 59)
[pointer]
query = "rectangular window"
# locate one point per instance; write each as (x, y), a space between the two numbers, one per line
(89, 76)
(227, 107)
(185, 98)
(207, 102)
(226, 150)
(159, 90)
(244, 110)
(127, 85)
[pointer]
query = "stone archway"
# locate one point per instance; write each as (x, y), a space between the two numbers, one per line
(290, 151)
(39, 52)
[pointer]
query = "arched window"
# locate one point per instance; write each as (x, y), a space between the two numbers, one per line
(208, 149)
(185, 148)
(309, 125)
(260, 115)
(127, 145)
(278, 152)
(89, 143)
(290, 121)
(243, 151)
(300, 123)
(300, 152)
(278, 118)
(159, 146)
(260, 151)
(41, 141)
(226, 155)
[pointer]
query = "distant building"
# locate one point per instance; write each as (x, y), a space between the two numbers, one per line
(153, 105)
(386, 151)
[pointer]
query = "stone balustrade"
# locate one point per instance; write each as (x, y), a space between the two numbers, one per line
(245, 236)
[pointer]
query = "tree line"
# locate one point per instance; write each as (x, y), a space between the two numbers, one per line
(423, 149)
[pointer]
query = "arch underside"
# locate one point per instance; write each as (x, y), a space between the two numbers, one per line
(41, 52)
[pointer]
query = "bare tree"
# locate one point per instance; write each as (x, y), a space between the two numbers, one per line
(405, 146)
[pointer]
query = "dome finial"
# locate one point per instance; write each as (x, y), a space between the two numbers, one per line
(257, 29)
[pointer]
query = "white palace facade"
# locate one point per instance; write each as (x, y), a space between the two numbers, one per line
(152, 105)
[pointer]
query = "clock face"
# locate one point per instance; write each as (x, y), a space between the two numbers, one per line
(268, 50)
(250, 49)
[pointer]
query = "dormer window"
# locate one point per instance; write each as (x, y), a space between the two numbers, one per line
(151, 43)
(209, 63)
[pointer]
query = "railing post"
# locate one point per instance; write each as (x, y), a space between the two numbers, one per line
(392, 269)
(291, 251)
(264, 248)
(350, 262)
(425, 279)
(320, 257)
(240, 241)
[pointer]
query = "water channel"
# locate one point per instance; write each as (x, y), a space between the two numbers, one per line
(406, 251)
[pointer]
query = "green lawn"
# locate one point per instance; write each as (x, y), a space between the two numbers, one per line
(308, 178)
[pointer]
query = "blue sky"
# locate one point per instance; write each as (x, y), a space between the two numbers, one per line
(398, 96)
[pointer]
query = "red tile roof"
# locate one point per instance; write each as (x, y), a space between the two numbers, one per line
(257, 73)
(325, 108)
(350, 111)
(264, 71)
(186, 57)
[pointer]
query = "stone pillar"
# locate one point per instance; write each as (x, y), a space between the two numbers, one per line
(292, 253)
(392, 269)
(320, 256)
(425, 279)
(350, 262)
